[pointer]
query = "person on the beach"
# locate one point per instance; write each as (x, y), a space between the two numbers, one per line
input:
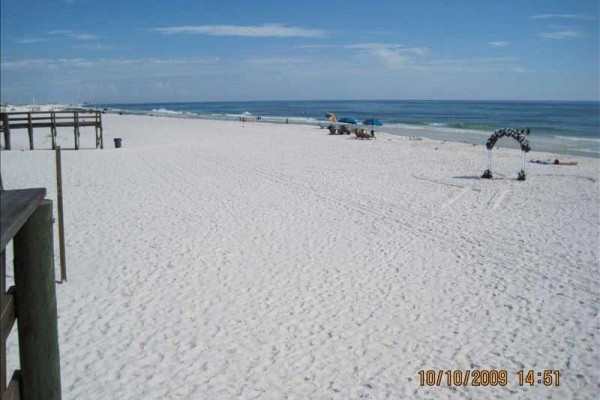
(373, 133)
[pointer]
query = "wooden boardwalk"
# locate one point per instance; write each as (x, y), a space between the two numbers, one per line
(52, 120)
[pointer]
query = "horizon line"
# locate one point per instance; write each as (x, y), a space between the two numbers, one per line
(299, 100)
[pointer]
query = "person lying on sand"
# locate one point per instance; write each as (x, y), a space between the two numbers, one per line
(554, 162)
(361, 134)
(344, 130)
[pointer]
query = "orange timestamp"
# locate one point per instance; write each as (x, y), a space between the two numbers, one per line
(487, 377)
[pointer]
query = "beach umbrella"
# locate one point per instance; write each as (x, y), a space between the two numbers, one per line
(348, 120)
(331, 117)
(373, 122)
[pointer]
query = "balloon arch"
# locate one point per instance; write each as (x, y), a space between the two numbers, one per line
(518, 135)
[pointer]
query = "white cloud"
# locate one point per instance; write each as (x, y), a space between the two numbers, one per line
(83, 36)
(377, 46)
(394, 54)
(32, 63)
(266, 30)
(30, 40)
(73, 35)
(95, 46)
(566, 34)
(563, 27)
(390, 56)
(370, 46)
(75, 63)
(315, 46)
(276, 61)
(563, 16)
(501, 43)
(476, 65)
(420, 51)
(521, 70)
(479, 61)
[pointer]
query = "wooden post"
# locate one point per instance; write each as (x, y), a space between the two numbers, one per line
(53, 129)
(2, 306)
(30, 131)
(6, 131)
(96, 124)
(61, 221)
(76, 129)
(36, 306)
(101, 132)
(13, 391)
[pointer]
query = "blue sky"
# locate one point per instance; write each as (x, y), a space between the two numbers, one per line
(184, 50)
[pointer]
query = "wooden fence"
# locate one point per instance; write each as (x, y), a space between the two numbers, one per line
(52, 120)
(26, 219)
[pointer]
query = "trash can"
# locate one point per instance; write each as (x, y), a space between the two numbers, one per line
(117, 143)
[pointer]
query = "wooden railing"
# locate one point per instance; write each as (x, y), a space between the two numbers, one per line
(52, 120)
(26, 219)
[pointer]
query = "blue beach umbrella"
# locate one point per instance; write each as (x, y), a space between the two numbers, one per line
(373, 122)
(348, 120)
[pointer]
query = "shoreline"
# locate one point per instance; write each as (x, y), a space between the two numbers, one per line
(506, 146)
(557, 143)
(472, 137)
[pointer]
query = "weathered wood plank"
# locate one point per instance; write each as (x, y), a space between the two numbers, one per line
(76, 129)
(16, 206)
(37, 311)
(7, 319)
(35, 121)
(2, 367)
(50, 124)
(2, 272)
(66, 125)
(61, 221)
(53, 129)
(6, 128)
(30, 132)
(13, 392)
(5, 323)
(46, 112)
(101, 132)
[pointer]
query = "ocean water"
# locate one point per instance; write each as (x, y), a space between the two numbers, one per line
(561, 127)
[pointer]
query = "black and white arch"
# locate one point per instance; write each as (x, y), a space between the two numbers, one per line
(519, 136)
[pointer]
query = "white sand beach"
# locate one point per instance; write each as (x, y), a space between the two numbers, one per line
(226, 260)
